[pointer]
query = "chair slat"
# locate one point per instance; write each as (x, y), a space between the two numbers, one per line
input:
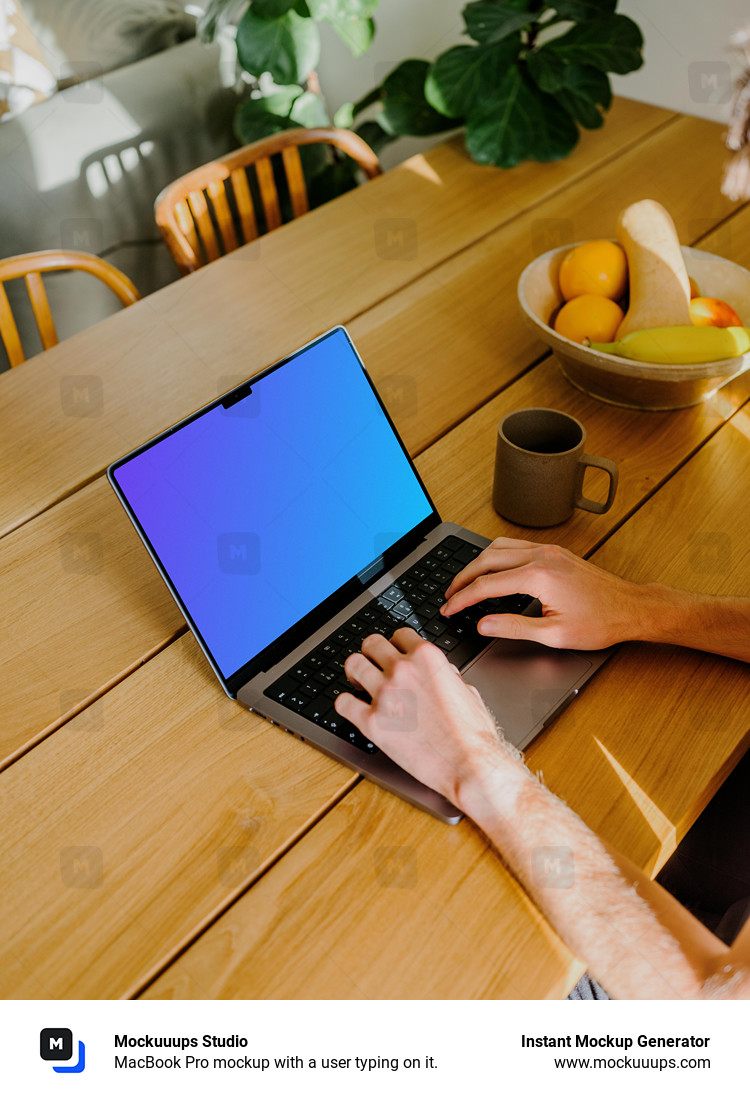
(295, 178)
(186, 225)
(244, 202)
(187, 252)
(268, 194)
(29, 267)
(202, 218)
(223, 214)
(9, 331)
(42, 312)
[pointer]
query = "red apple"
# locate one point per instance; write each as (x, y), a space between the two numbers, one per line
(713, 311)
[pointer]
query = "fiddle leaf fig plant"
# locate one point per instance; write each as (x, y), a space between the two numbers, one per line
(530, 76)
(534, 73)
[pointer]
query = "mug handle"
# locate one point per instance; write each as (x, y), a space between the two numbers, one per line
(603, 464)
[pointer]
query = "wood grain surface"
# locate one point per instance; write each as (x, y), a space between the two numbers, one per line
(300, 931)
(69, 413)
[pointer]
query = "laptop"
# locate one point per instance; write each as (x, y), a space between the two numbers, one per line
(289, 522)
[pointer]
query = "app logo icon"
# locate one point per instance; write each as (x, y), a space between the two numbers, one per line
(56, 1045)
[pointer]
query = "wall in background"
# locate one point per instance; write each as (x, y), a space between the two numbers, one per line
(689, 65)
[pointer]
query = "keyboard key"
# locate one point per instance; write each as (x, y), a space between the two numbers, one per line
(452, 567)
(343, 638)
(297, 701)
(446, 642)
(416, 573)
(315, 661)
(317, 710)
(334, 722)
(430, 563)
(442, 577)
(384, 603)
(415, 622)
(325, 676)
(393, 593)
(368, 614)
(357, 627)
(429, 587)
(441, 553)
(467, 553)
(402, 609)
(283, 687)
(452, 543)
(300, 672)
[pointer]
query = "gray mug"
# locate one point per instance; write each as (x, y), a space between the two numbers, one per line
(540, 467)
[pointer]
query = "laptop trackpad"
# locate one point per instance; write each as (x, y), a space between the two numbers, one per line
(525, 684)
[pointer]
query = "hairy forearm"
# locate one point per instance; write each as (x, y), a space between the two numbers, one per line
(716, 624)
(635, 939)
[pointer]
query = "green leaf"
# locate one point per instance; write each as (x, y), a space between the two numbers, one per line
(344, 117)
(375, 136)
(520, 123)
(286, 109)
(254, 121)
(302, 9)
(586, 89)
(335, 11)
(357, 34)
(288, 48)
(309, 110)
(578, 11)
(271, 9)
(546, 68)
(612, 44)
(405, 109)
(462, 77)
(487, 21)
(373, 96)
(278, 102)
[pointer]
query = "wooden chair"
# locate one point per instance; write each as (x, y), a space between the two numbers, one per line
(210, 211)
(29, 267)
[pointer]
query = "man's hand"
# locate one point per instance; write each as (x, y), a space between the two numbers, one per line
(423, 715)
(584, 607)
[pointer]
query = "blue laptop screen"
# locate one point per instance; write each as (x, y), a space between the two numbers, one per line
(260, 511)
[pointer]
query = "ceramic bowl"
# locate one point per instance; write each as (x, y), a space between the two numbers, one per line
(623, 381)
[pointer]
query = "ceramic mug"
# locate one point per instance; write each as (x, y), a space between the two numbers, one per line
(540, 466)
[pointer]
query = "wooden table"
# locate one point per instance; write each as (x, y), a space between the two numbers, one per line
(158, 841)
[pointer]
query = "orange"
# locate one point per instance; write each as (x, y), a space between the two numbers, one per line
(712, 311)
(595, 267)
(589, 317)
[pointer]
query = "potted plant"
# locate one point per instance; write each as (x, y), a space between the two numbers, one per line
(531, 75)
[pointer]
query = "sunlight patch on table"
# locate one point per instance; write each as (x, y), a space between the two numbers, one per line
(655, 818)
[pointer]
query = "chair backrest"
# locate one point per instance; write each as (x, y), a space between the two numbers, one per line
(210, 211)
(29, 267)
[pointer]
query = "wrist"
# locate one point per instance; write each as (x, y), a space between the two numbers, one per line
(488, 793)
(666, 614)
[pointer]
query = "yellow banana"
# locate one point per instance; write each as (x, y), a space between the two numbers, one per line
(680, 344)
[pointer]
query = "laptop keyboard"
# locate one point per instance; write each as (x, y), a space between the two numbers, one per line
(310, 687)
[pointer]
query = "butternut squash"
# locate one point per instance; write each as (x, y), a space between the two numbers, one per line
(659, 284)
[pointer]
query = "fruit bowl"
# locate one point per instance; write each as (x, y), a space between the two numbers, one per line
(622, 381)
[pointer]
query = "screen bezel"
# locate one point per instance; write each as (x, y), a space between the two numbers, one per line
(334, 603)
